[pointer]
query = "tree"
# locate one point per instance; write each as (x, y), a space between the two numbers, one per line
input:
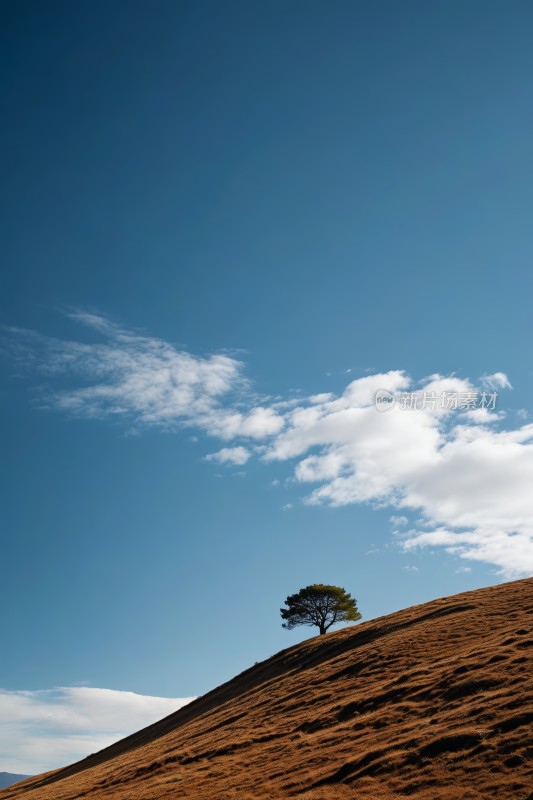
(320, 605)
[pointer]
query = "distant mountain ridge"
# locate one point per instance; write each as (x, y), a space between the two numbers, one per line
(8, 778)
(434, 702)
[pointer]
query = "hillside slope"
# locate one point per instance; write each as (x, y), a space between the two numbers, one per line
(434, 702)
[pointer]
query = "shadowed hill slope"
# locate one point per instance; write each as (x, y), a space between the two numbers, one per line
(434, 702)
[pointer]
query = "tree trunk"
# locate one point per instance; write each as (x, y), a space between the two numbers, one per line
(322, 629)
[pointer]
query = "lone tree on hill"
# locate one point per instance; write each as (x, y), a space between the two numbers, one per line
(319, 605)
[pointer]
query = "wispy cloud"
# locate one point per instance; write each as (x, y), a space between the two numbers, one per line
(398, 522)
(126, 374)
(230, 455)
(498, 380)
(43, 730)
(465, 471)
(143, 379)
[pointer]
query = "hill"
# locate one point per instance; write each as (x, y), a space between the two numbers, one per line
(433, 702)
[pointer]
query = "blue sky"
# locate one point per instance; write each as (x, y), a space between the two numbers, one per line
(226, 226)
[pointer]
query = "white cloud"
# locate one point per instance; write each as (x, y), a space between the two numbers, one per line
(129, 375)
(229, 423)
(261, 422)
(465, 477)
(462, 471)
(47, 729)
(230, 455)
(498, 380)
(399, 522)
(145, 380)
(321, 398)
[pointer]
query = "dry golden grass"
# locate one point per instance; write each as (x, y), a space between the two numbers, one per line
(433, 702)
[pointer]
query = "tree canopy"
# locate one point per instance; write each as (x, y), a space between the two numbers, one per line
(320, 605)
